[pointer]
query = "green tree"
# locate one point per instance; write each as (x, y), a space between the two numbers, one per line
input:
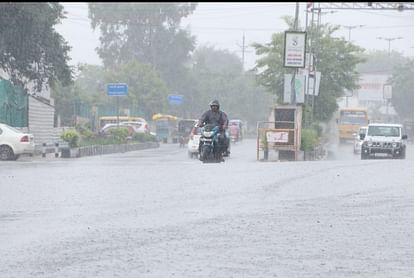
(146, 91)
(86, 91)
(148, 33)
(31, 49)
(218, 74)
(403, 89)
(336, 60)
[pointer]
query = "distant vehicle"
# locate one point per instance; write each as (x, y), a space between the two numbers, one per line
(236, 129)
(106, 130)
(358, 142)
(114, 120)
(14, 143)
(185, 127)
(383, 139)
(194, 142)
(139, 127)
(234, 132)
(133, 127)
(349, 121)
(165, 127)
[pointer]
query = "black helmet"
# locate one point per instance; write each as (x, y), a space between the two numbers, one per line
(215, 103)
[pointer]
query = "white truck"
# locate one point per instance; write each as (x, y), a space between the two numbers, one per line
(384, 140)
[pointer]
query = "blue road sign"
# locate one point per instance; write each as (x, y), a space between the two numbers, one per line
(175, 99)
(117, 89)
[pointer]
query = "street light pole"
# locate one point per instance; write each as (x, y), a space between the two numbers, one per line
(350, 27)
(389, 42)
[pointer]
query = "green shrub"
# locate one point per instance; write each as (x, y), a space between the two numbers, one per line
(120, 134)
(309, 140)
(87, 134)
(71, 136)
(317, 128)
(144, 137)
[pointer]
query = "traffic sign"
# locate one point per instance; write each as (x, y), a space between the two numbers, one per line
(175, 99)
(117, 89)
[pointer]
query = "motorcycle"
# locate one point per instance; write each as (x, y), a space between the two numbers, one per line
(211, 149)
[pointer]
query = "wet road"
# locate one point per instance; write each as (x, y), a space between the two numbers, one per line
(157, 213)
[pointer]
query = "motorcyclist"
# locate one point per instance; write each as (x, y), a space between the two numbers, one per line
(218, 118)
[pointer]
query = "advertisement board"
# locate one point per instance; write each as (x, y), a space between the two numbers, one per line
(295, 49)
(371, 87)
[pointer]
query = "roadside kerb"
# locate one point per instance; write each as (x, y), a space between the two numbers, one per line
(67, 152)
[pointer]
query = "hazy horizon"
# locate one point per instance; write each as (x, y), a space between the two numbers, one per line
(222, 25)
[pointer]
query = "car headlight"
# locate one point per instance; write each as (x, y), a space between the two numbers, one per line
(394, 144)
(369, 144)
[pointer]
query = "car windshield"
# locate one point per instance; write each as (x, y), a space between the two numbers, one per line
(353, 118)
(384, 131)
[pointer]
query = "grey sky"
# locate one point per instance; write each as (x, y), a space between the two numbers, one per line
(222, 25)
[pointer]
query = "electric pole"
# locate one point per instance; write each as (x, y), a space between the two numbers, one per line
(389, 42)
(243, 48)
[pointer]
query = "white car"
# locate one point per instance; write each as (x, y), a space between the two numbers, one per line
(194, 141)
(384, 140)
(357, 141)
(133, 127)
(14, 143)
(139, 127)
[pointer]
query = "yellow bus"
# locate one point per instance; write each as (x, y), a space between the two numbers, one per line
(166, 127)
(349, 121)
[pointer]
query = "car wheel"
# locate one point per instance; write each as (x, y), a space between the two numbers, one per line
(402, 155)
(6, 153)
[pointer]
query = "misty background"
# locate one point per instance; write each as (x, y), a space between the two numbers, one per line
(218, 58)
(223, 25)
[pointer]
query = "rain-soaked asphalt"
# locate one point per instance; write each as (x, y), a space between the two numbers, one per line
(158, 213)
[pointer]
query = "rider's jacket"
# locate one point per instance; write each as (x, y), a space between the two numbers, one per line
(217, 118)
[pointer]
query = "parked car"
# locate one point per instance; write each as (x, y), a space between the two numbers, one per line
(357, 141)
(14, 143)
(194, 141)
(106, 130)
(139, 127)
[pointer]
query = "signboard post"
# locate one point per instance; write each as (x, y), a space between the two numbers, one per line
(117, 89)
(387, 93)
(294, 55)
(298, 90)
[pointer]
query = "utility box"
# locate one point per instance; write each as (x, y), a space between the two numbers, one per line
(279, 138)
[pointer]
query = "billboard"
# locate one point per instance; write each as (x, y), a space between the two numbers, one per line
(295, 49)
(372, 87)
